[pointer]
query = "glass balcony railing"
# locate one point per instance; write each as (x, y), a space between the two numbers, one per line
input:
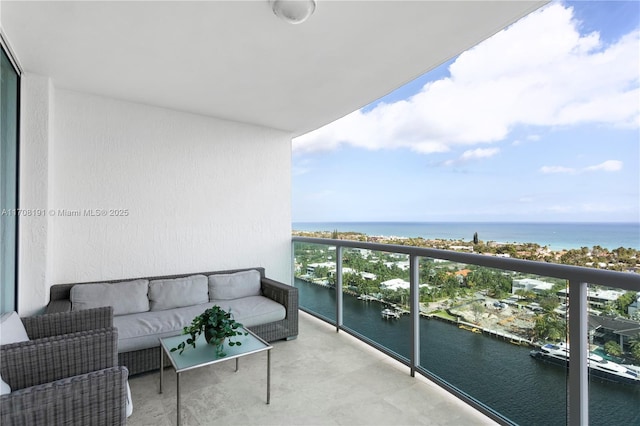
(493, 331)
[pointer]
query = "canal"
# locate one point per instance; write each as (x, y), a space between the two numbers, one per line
(495, 372)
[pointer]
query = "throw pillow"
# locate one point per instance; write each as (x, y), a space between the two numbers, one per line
(4, 387)
(11, 329)
(234, 286)
(128, 297)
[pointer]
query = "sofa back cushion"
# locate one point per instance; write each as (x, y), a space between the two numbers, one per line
(178, 292)
(234, 286)
(127, 297)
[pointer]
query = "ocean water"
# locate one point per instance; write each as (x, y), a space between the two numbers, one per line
(556, 236)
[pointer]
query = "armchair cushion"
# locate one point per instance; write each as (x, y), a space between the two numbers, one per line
(11, 329)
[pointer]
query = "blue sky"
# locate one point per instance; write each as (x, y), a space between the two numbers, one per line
(541, 122)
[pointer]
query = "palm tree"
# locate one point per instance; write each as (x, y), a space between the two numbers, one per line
(549, 327)
(635, 346)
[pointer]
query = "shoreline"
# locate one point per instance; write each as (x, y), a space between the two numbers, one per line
(461, 322)
(619, 259)
(554, 235)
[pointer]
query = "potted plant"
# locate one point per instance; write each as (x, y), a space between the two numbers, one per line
(217, 325)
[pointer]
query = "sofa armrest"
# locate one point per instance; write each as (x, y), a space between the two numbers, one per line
(282, 293)
(40, 361)
(52, 324)
(95, 398)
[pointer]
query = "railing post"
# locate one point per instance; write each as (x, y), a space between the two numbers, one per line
(338, 287)
(578, 356)
(293, 263)
(414, 309)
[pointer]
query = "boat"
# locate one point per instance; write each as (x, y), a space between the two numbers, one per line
(469, 328)
(366, 297)
(558, 353)
(390, 314)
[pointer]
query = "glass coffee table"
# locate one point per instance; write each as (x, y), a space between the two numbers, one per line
(204, 354)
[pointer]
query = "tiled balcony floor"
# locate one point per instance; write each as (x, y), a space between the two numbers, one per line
(321, 378)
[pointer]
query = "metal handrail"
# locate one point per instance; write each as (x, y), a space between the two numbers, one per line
(624, 280)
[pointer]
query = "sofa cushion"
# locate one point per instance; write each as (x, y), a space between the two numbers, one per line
(178, 292)
(126, 297)
(234, 286)
(12, 329)
(142, 330)
(253, 310)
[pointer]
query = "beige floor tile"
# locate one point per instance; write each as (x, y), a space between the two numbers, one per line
(320, 378)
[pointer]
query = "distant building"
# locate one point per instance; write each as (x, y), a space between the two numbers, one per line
(462, 248)
(462, 274)
(620, 330)
(530, 284)
(596, 298)
(365, 275)
(365, 253)
(403, 265)
(395, 284)
(311, 267)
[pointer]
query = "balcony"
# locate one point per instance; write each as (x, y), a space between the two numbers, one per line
(322, 377)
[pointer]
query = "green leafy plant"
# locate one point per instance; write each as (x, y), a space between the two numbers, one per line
(217, 325)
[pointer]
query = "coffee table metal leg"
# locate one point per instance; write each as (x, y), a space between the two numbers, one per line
(161, 369)
(178, 395)
(268, 376)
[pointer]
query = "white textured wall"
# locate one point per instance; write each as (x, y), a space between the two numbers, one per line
(36, 99)
(201, 193)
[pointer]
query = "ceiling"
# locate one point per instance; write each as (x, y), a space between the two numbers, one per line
(236, 60)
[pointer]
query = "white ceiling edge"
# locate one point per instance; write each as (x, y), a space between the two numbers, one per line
(237, 61)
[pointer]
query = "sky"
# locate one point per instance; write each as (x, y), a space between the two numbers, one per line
(539, 123)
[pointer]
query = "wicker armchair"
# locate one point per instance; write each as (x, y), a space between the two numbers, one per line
(68, 374)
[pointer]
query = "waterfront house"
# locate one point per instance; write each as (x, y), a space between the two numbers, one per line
(174, 120)
(619, 330)
(395, 284)
(598, 298)
(530, 284)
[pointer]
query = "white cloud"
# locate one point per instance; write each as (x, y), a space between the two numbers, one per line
(606, 166)
(474, 154)
(540, 71)
(480, 153)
